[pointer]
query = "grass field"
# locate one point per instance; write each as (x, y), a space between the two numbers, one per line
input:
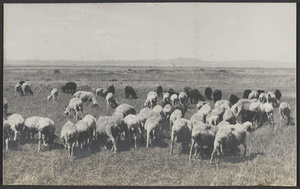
(271, 155)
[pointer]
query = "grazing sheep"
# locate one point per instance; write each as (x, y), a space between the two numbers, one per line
(174, 99)
(230, 137)
(176, 114)
(233, 99)
(166, 99)
(30, 125)
(259, 113)
(151, 99)
(196, 118)
(18, 89)
(285, 113)
(26, 89)
(133, 124)
(215, 116)
(203, 135)
(46, 129)
(204, 111)
(21, 82)
(69, 135)
(229, 117)
(271, 98)
(126, 109)
(86, 96)
(53, 94)
(260, 91)
(186, 90)
(91, 122)
(246, 93)
(84, 133)
(253, 95)
(171, 92)
(217, 94)
(101, 92)
(69, 87)
(111, 89)
(222, 103)
(241, 110)
(152, 127)
(202, 103)
(195, 96)
(159, 91)
(181, 130)
(182, 97)
(222, 123)
(5, 106)
(158, 109)
(208, 93)
(277, 93)
(130, 92)
(269, 111)
(110, 100)
(262, 98)
(75, 104)
(16, 123)
(167, 109)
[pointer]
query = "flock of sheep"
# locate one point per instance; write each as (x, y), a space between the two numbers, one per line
(218, 127)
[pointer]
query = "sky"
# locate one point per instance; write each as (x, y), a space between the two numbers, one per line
(147, 31)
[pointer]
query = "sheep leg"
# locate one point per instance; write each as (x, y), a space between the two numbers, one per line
(135, 140)
(245, 146)
(148, 138)
(69, 149)
(40, 140)
(214, 153)
(6, 144)
(191, 149)
(172, 142)
(114, 148)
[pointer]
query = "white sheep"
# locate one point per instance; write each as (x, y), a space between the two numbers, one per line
(26, 89)
(202, 103)
(229, 137)
(259, 113)
(151, 99)
(183, 98)
(91, 121)
(196, 118)
(101, 91)
(269, 111)
(125, 109)
(53, 94)
(110, 100)
(167, 109)
(253, 95)
(84, 133)
(16, 123)
(69, 136)
(30, 125)
(76, 105)
(222, 123)
(166, 99)
(181, 130)
(174, 99)
(176, 114)
(46, 129)
(86, 96)
(204, 111)
(223, 103)
(152, 127)
(216, 115)
(203, 135)
(271, 98)
(133, 124)
(262, 97)
(285, 112)
(229, 116)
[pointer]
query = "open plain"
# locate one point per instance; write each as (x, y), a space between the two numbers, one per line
(271, 155)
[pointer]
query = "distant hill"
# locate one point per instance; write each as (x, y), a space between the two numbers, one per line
(179, 62)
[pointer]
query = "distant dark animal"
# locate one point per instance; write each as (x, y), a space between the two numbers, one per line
(69, 87)
(233, 99)
(186, 89)
(246, 93)
(195, 96)
(217, 94)
(129, 92)
(159, 91)
(26, 89)
(171, 92)
(18, 89)
(111, 89)
(21, 82)
(208, 93)
(260, 91)
(277, 93)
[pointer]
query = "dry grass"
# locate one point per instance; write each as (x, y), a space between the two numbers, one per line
(271, 154)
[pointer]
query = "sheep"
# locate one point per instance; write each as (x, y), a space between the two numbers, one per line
(195, 96)
(111, 127)
(30, 125)
(203, 135)
(159, 109)
(130, 92)
(271, 98)
(133, 124)
(126, 109)
(21, 82)
(182, 97)
(174, 99)
(26, 89)
(222, 103)
(217, 94)
(229, 116)
(69, 87)
(204, 111)
(285, 113)
(176, 114)
(208, 93)
(91, 122)
(16, 124)
(215, 116)
(18, 89)
(151, 99)
(75, 104)
(53, 94)
(260, 91)
(230, 137)
(166, 99)
(222, 123)
(277, 93)
(83, 133)
(110, 100)
(246, 93)
(241, 110)
(171, 92)
(46, 129)
(167, 109)
(5, 107)
(196, 118)
(101, 92)
(152, 127)
(269, 111)
(262, 97)
(253, 95)
(69, 136)
(111, 89)
(159, 91)
(181, 130)
(259, 113)
(233, 99)
(86, 96)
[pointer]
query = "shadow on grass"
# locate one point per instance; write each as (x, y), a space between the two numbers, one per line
(239, 158)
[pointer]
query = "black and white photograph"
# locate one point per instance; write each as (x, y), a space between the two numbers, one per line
(149, 94)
